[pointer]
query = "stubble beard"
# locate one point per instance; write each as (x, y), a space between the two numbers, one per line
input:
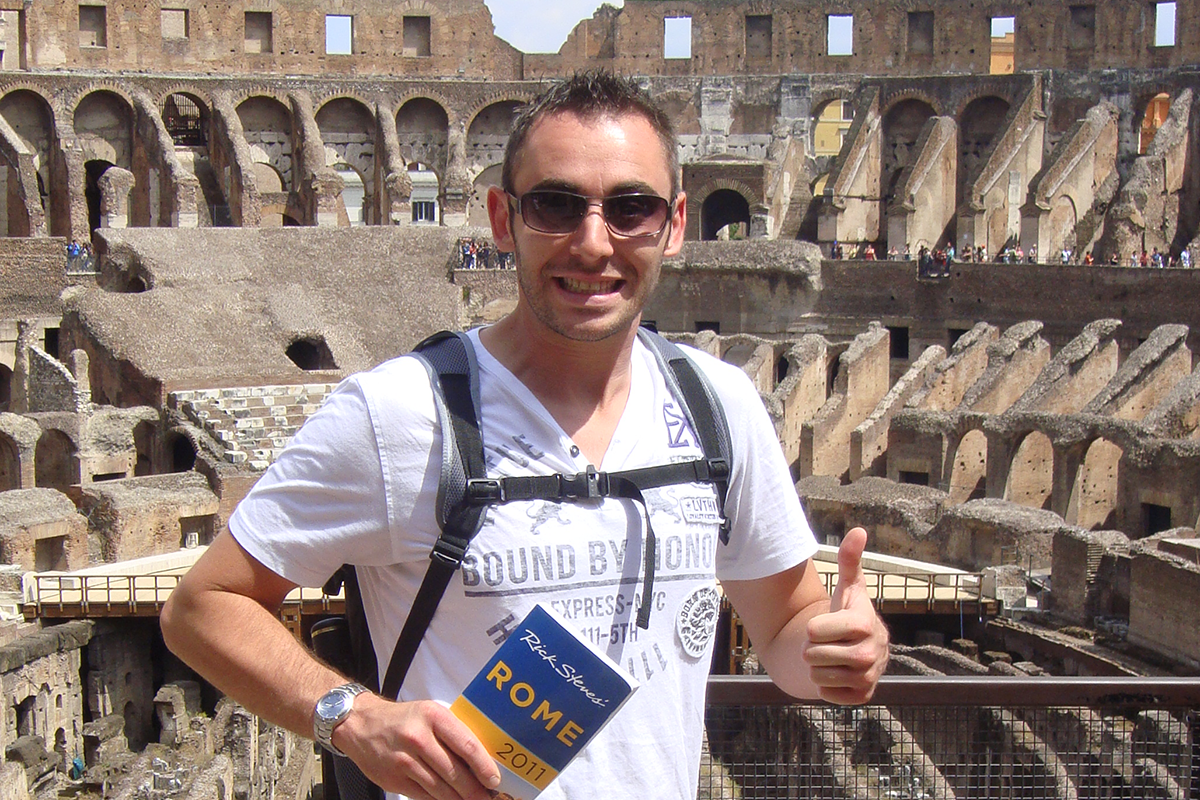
(531, 295)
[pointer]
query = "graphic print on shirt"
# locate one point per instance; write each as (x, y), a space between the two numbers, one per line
(679, 433)
(585, 559)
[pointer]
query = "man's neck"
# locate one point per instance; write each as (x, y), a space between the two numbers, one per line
(584, 385)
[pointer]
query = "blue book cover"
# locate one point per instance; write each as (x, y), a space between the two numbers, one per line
(539, 700)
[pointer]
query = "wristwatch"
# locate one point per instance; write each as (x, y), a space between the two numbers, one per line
(331, 709)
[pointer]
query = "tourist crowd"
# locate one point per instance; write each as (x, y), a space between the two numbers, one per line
(935, 261)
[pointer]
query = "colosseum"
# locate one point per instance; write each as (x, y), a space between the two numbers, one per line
(951, 242)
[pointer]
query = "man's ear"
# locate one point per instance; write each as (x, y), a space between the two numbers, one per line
(678, 226)
(500, 217)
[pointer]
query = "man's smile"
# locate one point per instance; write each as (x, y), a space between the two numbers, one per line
(578, 286)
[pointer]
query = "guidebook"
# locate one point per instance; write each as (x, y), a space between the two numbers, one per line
(539, 700)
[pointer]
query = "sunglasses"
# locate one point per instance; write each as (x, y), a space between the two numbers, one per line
(626, 215)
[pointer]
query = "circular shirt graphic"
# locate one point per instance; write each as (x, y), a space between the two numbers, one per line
(697, 620)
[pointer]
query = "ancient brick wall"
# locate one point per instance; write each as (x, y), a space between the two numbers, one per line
(1163, 603)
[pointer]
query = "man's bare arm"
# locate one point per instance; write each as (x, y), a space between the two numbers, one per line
(223, 621)
(813, 645)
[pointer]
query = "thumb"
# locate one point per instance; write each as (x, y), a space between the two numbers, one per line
(850, 573)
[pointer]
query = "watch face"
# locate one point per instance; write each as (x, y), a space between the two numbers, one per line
(333, 705)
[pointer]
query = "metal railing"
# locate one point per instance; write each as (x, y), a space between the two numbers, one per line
(976, 738)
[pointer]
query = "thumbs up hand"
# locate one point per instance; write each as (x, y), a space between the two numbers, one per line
(847, 648)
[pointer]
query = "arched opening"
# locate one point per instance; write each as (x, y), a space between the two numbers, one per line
(354, 195)
(5, 387)
(311, 354)
(55, 461)
(722, 210)
(901, 130)
(423, 130)
(1094, 496)
(477, 208)
(30, 118)
(186, 120)
(1156, 114)
(143, 446)
(968, 474)
(424, 197)
(1031, 474)
(1062, 227)
(183, 453)
(134, 734)
(274, 195)
(348, 130)
(93, 170)
(488, 132)
(978, 125)
(831, 123)
(10, 464)
(267, 127)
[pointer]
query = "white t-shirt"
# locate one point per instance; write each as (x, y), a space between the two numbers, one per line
(357, 485)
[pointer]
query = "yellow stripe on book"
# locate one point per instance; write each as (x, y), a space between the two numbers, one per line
(522, 763)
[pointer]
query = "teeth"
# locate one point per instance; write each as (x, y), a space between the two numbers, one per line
(588, 287)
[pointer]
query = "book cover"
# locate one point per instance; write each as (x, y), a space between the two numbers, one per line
(539, 700)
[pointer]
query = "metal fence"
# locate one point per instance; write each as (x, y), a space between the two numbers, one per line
(991, 738)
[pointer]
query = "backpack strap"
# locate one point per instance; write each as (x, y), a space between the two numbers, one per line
(454, 377)
(704, 413)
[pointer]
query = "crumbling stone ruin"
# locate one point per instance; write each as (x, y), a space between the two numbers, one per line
(269, 211)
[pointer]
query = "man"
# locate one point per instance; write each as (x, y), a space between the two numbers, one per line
(590, 206)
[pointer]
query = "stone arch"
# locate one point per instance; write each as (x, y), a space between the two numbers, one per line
(902, 124)
(267, 129)
(181, 450)
(1031, 472)
(423, 130)
(1095, 494)
(1063, 218)
(348, 131)
(10, 463)
(968, 468)
(1153, 114)
(31, 118)
(477, 213)
(187, 118)
(103, 126)
(55, 461)
(721, 211)
(979, 123)
(487, 134)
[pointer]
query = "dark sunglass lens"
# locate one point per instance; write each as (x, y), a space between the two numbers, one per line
(553, 212)
(635, 214)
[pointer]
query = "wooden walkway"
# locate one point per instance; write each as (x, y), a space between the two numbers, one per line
(139, 589)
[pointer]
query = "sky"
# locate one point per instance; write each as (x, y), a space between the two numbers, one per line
(540, 26)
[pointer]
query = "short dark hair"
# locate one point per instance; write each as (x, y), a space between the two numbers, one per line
(591, 94)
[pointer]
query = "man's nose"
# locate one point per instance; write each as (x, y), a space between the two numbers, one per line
(592, 238)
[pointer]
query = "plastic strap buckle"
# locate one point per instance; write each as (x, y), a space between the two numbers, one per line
(586, 484)
(481, 491)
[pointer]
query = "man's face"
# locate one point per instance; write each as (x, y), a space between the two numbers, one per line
(587, 285)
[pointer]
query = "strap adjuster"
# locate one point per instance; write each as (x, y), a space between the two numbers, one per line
(586, 484)
(715, 469)
(481, 491)
(449, 551)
